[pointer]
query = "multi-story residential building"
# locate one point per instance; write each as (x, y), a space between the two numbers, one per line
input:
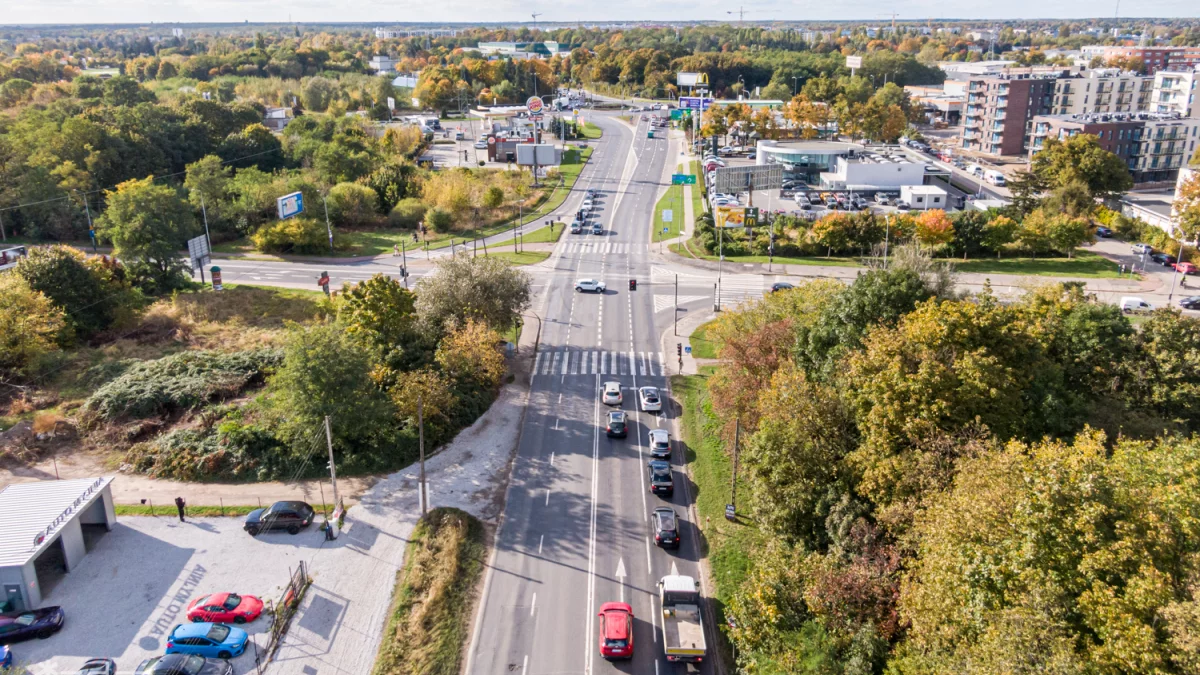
(1154, 58)
(1175, 91)
(1000, 109)
(1102, 90)
(1153, 145)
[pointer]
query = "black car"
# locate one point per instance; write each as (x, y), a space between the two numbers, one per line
(1163, 259)
(1192, 302)
(98, 667)
(33, 623)
(666, 528)
(616, 425)
(184, 664)
(661, 482)
(781, 286)
(290, 516)
(1103, 232)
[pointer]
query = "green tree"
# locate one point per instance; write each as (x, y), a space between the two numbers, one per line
(149, 223)
(970, 232)
(439, 219)
(486, 289)
(1068, 233)
(61, 274)
(379, 309)
(999, 232)
(255, 146)
(1163, 373)
(1034, 232)
(30, 325)
(1080, 158)
(352, 204)
(208, 190)
(494, 197)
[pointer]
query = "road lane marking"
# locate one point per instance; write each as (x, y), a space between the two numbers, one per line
(547, 496)
(591, 592)
(649, 565)
(654, 622)
(552, 455)
(525, 664)
(533, 605)
(541, 540)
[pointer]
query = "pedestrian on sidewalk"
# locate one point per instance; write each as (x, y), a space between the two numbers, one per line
(180, 505)
(395, 250)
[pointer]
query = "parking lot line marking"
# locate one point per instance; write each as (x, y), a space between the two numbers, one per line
(533, 605)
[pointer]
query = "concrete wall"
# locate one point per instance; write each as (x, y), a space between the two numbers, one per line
(101, 511)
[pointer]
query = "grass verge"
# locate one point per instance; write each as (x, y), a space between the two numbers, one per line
(672, 199)
(702, 346)
(725, 544)
(520, 257)
(431, 608)
(198, 511)
(542, 235)
(834, 261)
(591, 131)
(1084, 264)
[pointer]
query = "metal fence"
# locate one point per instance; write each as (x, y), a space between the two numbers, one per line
(285, 609)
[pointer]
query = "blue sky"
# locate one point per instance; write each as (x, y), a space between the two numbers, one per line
(389, 11)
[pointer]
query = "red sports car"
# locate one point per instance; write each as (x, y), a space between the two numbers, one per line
(616, 630)
(225, 608)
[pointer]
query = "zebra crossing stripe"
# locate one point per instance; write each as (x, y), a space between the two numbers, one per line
(595, 357)
(662, 365)
(566, 361)
(554, 365)
(537, 360)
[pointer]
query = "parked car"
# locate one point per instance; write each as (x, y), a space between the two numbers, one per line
(589, 286)
(666, 527)
(616, 427)
(648, 397)
(661, 481)
(213, 640)
(1142, 249)
(6, 657)
(1133, 305)
(184, 664)
(616, 630)
(781, 286)
(98, 667)
(1163, 259)
(1103, 232)
(481, 144)
(901, 205)
(1191, 302)
(224, 608)
(660, 444)
(612, 393)
(31, 623)
(1186, 268)
(290, 516)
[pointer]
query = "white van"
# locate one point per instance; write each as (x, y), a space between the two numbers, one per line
(994, 177)
(1134, 305)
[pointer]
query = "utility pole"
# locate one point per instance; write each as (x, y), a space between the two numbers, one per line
(328, 227)
(421, 446)
(676, 305)
(332, 468)
(737, 431)
(403, 264)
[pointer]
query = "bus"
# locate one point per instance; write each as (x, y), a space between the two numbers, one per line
(10, 255)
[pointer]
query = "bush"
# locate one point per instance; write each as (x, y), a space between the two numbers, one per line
(407, 213)
(439, 219)
(179, 382)
(29, 326)
(62, 274)
(352, 204)
(232, 451)
(295, 235)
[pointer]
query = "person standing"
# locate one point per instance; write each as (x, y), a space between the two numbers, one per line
(180, 505)
(395, 250)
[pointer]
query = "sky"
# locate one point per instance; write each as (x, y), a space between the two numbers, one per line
(490, 11)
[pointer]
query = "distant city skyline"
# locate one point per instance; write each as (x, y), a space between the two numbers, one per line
(28, 12)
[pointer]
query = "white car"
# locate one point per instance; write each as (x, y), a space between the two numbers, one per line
(481, 144)
(1143, 249)
(589, 286)
(648, 397)
(660, 444)
(612, 393)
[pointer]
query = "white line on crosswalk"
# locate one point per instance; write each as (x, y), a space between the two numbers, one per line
(537, 359)
(566, 362)
(554, 365)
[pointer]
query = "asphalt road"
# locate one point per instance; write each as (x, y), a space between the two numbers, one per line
(576, 531)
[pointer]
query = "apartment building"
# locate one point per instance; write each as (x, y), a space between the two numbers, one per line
(1155, 58)
(1155, 146)
(1000, 110)
(1175, 92)
(1102, 90)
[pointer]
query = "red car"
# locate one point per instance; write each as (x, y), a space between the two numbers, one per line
(1186, 268)
(225, 608)
(616, 630)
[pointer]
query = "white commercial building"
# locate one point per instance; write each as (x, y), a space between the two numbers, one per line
(865, 173)
(923, 197)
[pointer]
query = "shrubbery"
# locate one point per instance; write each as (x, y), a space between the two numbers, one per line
(30, 325)
(407, 213)
(179, 382)
(294, 235)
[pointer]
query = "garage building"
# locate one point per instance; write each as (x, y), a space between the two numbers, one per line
(47, 528)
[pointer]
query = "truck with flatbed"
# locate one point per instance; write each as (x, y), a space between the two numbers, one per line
(682, 626)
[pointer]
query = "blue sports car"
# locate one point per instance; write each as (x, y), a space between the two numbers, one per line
(212, 640)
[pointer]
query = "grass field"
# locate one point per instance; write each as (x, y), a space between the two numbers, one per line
(702, 346)
(431, 608)
(591, 131)
(726, 544)
(697, 189)
(1084, 264)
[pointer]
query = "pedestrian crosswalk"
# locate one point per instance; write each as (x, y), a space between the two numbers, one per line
(578, 361)
(735, 289)
(602, 247)
(664, 302)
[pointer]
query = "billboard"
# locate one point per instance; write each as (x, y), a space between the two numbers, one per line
(737, 216)
(691, 79)
(735, 179)
(291, 205)
(540, 154)
(854, 62)
(694, 103)
(535, 105)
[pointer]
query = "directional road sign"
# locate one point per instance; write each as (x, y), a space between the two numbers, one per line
(683, 179)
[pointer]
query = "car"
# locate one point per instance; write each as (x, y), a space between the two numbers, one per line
(617, 426)
(589, 286)
(1192, 302)
(183, 664)
(616, 630)
(1163, 259)
(597, 228)
(31, 623)
(6, 658)
(459, 135)
(612, 393)
(649, 400)
(660, 444)
(224, 608)
(290, 516)
(661, 482)
(1142, 249)
(481, 144)
(901, 205)
(214, 640)
(576, 227)
(1132, 305)
(1186, 268)
(636, 108)
(1103, 232)
(666, 527)
(98, 667)
(726, 150)
(781, 286)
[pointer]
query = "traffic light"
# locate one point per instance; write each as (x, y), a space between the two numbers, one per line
(679, 349)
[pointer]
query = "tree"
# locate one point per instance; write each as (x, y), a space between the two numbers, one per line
(379, 310)
(30, 325)
(1080, 158)
(494, 197)
(61, 274)
(1187, 206)
(934, 228)
(832, 232)
(1034, 232)
(470, 353)
(254, 145)
(969, 231)
(486, 289)
(999, 232)
(352, 204)
(125, 91)
(149, 223)
(1068, 233)
(208, 183)
(439, 219)
(1163, 373)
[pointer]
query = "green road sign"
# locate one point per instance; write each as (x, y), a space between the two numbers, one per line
(676, 114)
(683, 179)
(751, 219)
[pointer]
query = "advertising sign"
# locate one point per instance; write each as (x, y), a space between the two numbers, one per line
(198, 250)
(691, 79)
(291, 205)
(534, 105)
(854, 62)
(737, 216)
(668, 215)
(694, 102)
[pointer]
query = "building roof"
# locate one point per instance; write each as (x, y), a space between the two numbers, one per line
(33, 511)
(925, 189)
(809, 147)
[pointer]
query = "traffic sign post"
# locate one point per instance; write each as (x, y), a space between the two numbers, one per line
(683, 179)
